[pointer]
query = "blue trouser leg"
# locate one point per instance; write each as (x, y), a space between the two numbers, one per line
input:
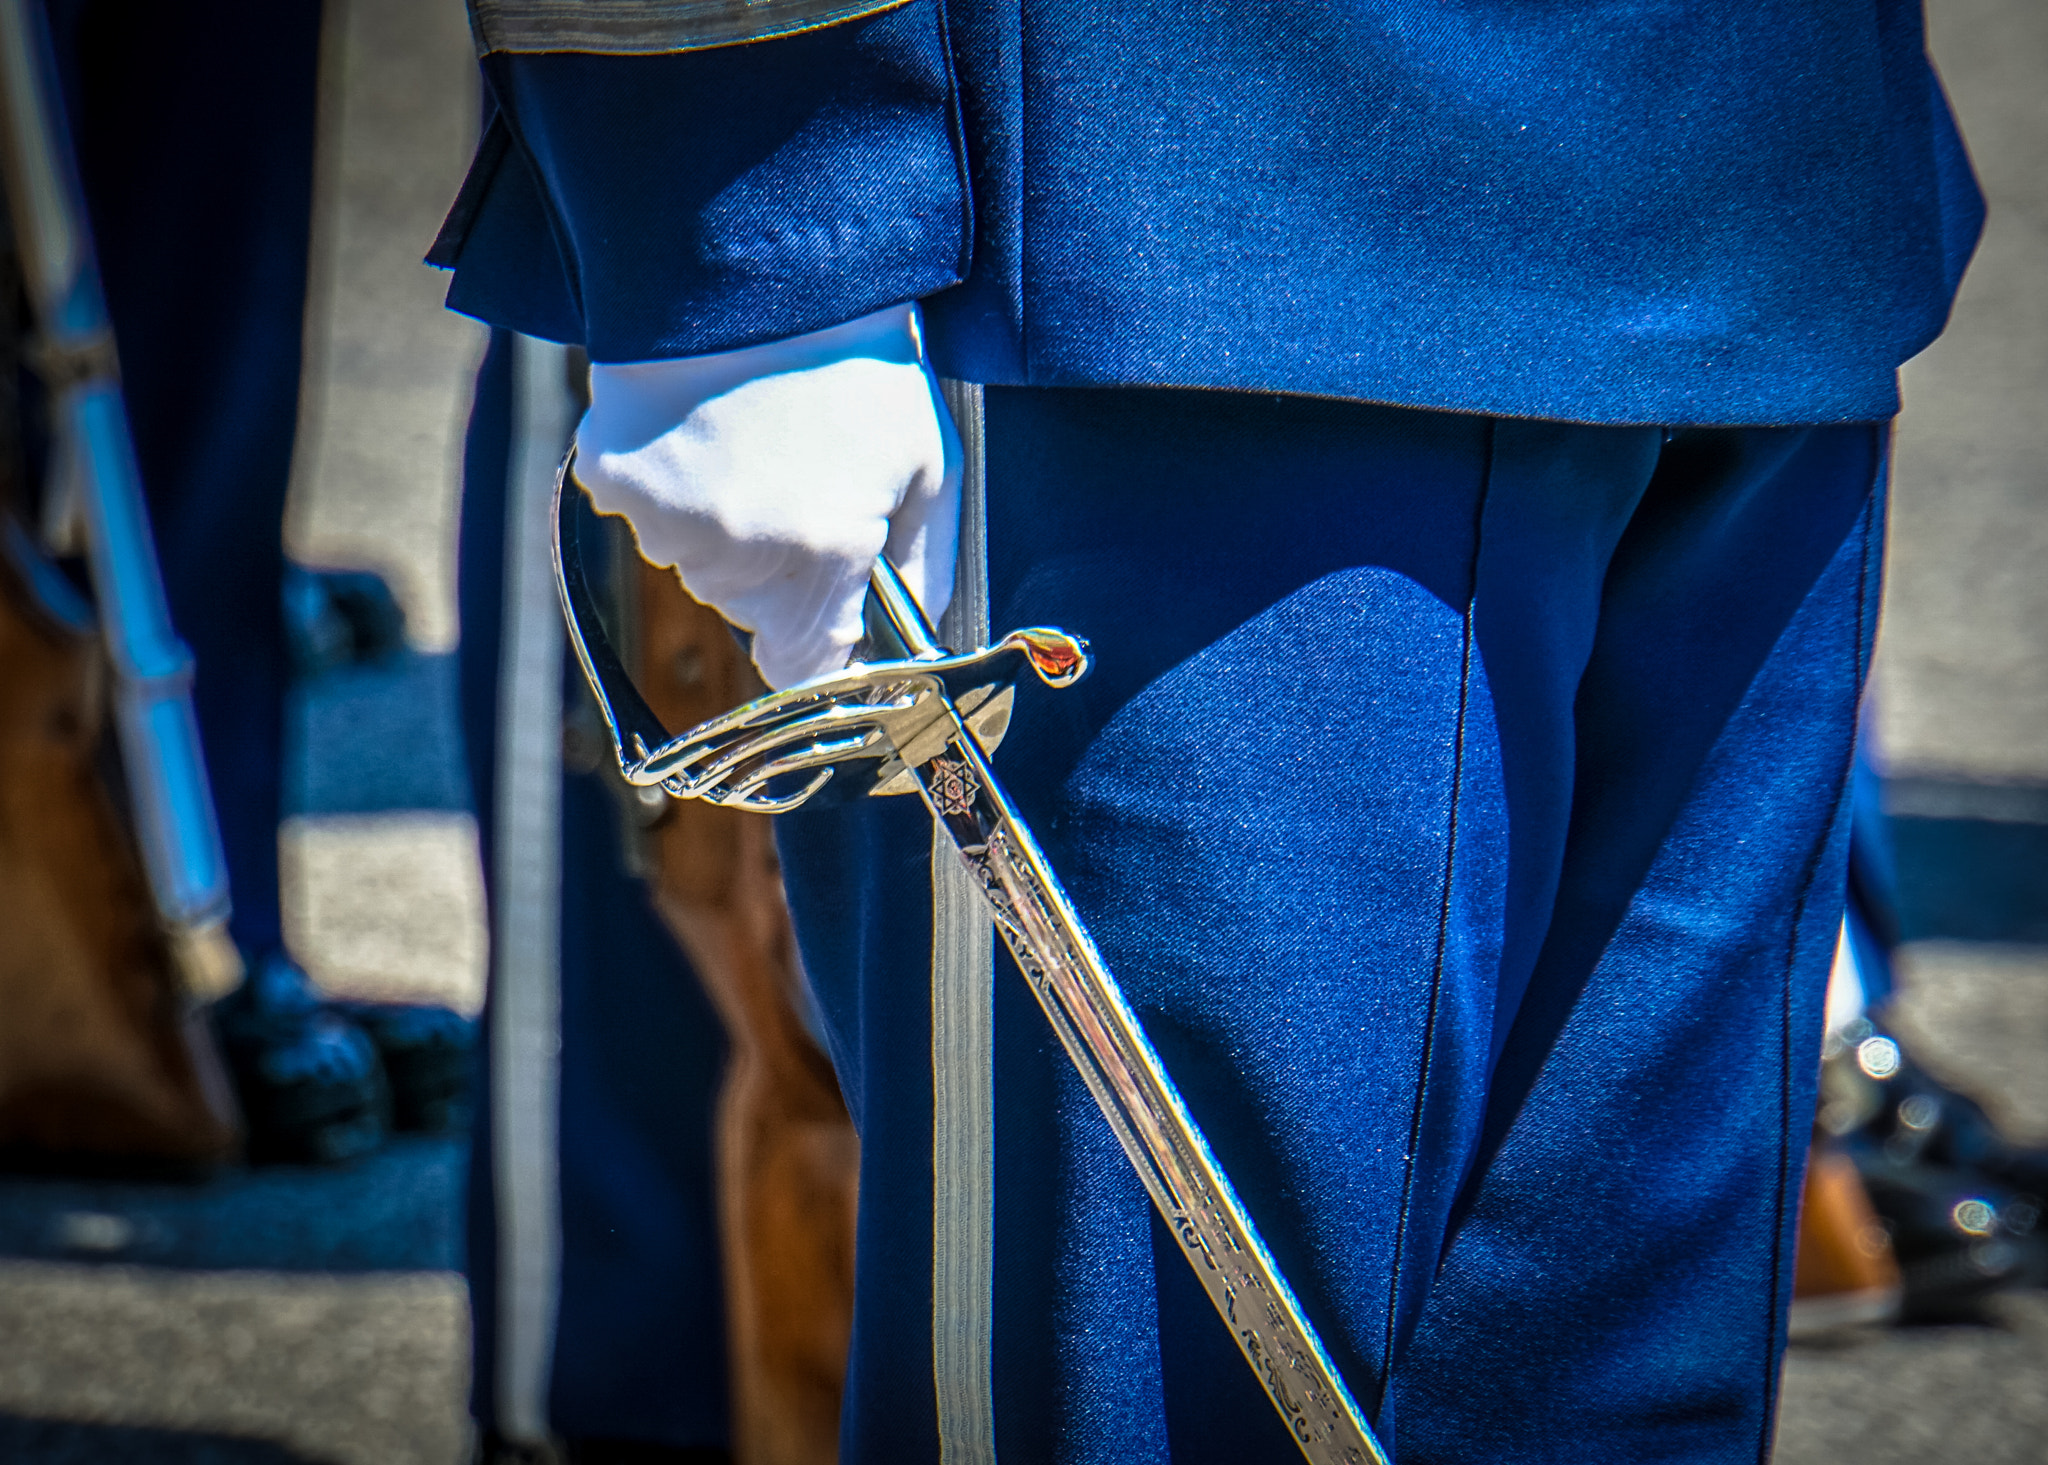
(194, 126)
(479, 586)
(639, 1350)
(1616, 1288)
(1395, 713)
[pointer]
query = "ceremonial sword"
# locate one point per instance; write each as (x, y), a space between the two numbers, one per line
(924, 719)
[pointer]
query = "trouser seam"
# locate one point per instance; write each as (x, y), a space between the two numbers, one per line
(1457, 788)
(1816, 860)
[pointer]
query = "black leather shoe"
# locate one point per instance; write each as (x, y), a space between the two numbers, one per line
(337, 618)
(1962, 1204)
(429, 1055)
(1872, 1089)
(311, 1085)
(424, 1055)
(1958, 1240)
(1895, 1103)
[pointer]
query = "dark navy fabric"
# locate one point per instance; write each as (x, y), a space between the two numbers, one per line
(1620, 1268)
(798, 160)
(640, 1331)
(194, 128)
(1648, 211)
(1434, 768)
(501, 215)
(1872, 925)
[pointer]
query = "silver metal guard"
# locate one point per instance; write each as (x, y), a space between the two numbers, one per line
(855, 732)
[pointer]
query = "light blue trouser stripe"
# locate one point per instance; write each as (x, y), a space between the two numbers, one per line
(526, 898)
(963, 1045)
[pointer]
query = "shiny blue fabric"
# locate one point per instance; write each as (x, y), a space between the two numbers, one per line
(1463, 823)
(1617, 211)
(1873, 926)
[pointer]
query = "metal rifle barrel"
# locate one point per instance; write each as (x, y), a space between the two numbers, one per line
(159, 735)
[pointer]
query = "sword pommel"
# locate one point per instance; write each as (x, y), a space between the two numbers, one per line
(1059, 659)
(896, 620)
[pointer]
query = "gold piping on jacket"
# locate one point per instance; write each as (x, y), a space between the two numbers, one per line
(650, 27)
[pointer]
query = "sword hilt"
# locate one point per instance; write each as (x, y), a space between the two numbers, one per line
(843, 729)
(1059, 659)
(894, 618)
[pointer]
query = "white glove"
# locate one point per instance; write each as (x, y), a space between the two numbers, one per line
(772, 476)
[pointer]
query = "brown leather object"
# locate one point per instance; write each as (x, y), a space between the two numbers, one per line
(788, 1160)
(97, 1058)
(1845, 1273)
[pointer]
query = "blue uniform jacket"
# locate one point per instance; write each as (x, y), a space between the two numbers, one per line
(1664, 211)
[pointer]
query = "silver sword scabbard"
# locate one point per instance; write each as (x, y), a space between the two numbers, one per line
(910, 723)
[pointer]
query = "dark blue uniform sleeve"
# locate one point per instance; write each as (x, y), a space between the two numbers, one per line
(662, 205)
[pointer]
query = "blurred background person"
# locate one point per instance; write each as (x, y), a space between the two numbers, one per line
(194, 147)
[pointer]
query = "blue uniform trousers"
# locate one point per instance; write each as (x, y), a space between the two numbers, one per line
(639, 1342)
(1460, 803)
(194, 129)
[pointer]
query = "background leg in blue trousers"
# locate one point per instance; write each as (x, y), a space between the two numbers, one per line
(194, 127)
(637, 1350)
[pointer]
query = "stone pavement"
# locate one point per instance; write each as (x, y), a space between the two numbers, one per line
(141, 1364)
(290, 1316)
(1913, 1396)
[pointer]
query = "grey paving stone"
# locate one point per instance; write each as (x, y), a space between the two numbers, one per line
(387, 907)
(241, 1368)
(1918, 1396)
(388, 370)
(1963, 654)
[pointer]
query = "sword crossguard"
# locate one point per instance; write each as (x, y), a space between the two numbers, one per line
(858, 731)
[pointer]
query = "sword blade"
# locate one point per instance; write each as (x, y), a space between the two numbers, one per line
(1130, 1085)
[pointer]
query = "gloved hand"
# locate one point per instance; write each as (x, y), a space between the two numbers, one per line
(772, 476)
